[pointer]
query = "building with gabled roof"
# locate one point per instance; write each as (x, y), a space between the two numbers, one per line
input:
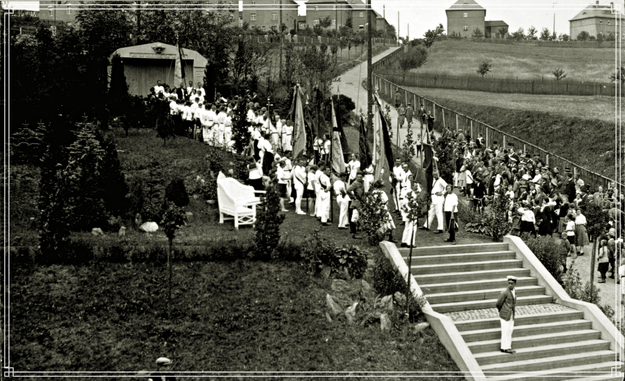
(465, 16)
(595, 19)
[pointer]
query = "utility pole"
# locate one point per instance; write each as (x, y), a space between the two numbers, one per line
(281, 39)
(336, 34)
(554, 17)
(398, 29)
(138, 20)
(384, 17)
(408, 32)
(369, 73)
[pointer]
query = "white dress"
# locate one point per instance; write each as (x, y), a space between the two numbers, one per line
(368, 178)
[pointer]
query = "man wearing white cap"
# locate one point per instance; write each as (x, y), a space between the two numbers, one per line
(506, 304)
(163, 364)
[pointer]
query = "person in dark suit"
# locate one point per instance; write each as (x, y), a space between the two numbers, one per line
(356, 192)
(506, 304)
(570, 188)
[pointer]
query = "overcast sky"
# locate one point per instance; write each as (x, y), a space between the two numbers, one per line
(417, 16)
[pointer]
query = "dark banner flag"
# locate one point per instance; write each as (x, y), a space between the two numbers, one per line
(365, 153)
(428, 167)
(382, 151)
(340, 125)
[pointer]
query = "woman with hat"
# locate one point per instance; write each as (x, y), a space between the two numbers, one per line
(388, 225)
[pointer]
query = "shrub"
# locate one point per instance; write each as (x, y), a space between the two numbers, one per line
(176, 192)
(497, 215)
(268, 220)
(346, 260)
(551, 254)
(372, 215)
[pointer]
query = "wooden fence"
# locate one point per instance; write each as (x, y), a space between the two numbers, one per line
(545, 44)
(544, 86)
(456, 121)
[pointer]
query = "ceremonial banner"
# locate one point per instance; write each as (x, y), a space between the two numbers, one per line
(382, 152)
(179, 69)
(338, 163)
(365, 152)
(299, 130)
(339, 123)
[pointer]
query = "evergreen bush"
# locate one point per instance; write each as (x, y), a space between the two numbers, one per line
(372, 216)
(268, 220)
(551, 254)
(176, 192)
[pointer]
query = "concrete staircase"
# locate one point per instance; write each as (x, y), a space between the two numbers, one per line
(552, 342)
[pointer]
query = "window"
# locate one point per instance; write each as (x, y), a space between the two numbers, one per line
(264, 27)
(50, 10)
(466, 14)
(316, 9)
(253, 3)
(274, 28)
(600, 21)
(316, 22)
(69, 8)
(274, 16)
(362, 14)
(608, 22)
(302, 25)
(465, 28)
(253, 17)
(53, 30)
(333, 22)
(240, 22)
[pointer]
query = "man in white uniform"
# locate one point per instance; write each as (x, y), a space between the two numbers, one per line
(436, 209)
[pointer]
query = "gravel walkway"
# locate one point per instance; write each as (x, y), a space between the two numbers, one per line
(491, 313)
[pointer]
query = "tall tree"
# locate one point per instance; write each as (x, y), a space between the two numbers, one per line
(414, 58)
(531, 33)
(431, 35)
(545, 35)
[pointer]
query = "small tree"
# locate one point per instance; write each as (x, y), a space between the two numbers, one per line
(545, 35)
(414, 58)
(484, 68)
(618, 75)
(531, 33)
(559, 74)
(408, 148)
(519, 34)
(554, 36)
(600, 38)
(431, 35)
(564, 37)
(477, 33)
(268, 220)
(583, 36)
(118, 89)
(165, 126)
(372, 216)
(173, 219)
(497, 214)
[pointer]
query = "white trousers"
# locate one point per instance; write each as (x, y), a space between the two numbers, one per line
(435, 210)
(324, 205)
(409, 229)
(343, 216)
(506, 333)
(299, 189)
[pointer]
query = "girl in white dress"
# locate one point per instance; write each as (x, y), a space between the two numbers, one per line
(287, 136)
(354, 167)
(228, 125)
(368, 178)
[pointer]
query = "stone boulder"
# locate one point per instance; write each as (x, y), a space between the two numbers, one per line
(416, 328)
(385, 323)
(97, 231)
(400, 299)
(333, 306)
(350, 313)
(149, 227)
(386, 303)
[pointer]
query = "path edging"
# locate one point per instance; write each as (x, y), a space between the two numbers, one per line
(444, 327)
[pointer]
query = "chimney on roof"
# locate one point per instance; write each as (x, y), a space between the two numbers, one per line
(597, 2)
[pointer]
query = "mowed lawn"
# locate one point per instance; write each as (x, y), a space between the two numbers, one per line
(522, 61)
(584, 107)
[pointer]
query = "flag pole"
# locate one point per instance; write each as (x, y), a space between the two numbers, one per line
(331, 161)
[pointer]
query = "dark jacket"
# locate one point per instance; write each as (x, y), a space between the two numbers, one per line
(506, 304)
(356, 192)
(570, 190)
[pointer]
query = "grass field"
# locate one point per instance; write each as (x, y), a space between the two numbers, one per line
(584, 107)
(462, 57)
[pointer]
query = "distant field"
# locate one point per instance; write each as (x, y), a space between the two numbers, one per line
(584, 107)
(454, 57)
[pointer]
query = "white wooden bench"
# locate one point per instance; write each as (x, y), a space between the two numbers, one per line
(236, 200)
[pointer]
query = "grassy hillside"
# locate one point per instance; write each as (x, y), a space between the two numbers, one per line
(461, 57)
(584, 107)
(586, 142)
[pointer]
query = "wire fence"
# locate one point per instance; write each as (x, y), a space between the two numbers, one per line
(456, 121)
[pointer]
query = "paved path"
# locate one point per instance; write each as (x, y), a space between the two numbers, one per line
(492, 313)
(351, 86)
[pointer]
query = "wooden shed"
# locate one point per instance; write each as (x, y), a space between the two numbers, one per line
(145, 64)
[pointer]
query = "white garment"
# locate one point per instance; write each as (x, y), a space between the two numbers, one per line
(409, 229)
(324, 198)
(354, 166)
(344, 208)
(506, 333)
(451, 203)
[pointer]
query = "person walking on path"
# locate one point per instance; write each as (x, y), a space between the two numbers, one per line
(409, 114)
(401, 116)
(602, 260)
(506, 304)
(397, 98)
(436, 209)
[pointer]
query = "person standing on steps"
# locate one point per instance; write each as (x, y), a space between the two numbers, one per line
(450, 207)
(506, 306)
(409, 115)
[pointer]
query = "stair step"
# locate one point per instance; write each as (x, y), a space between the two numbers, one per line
(556, 374)
(490, 303)
(536, 340)
(489, 360)
(456, 249)
(527, 330)
(519, 321)
(480, 295)
(468, 276)
(599, 377)
(549, 362)
(501, 283)
(460, 258)
(469, 266)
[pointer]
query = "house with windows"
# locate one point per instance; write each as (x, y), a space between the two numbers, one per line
(339, 11)
(58, 11)
(595, 19)
(265, 14)
(465, 16)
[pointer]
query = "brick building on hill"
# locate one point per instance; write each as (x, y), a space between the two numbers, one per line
(465, 16)
(595, 19)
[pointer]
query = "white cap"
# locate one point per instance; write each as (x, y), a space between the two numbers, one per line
(163, 361)
(512, 277)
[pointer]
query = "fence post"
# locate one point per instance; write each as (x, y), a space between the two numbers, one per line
(547, 159)
(471, 127)
(524, 149)
(504, 143)
(457, 125)
(443, 111)
(488, 142)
